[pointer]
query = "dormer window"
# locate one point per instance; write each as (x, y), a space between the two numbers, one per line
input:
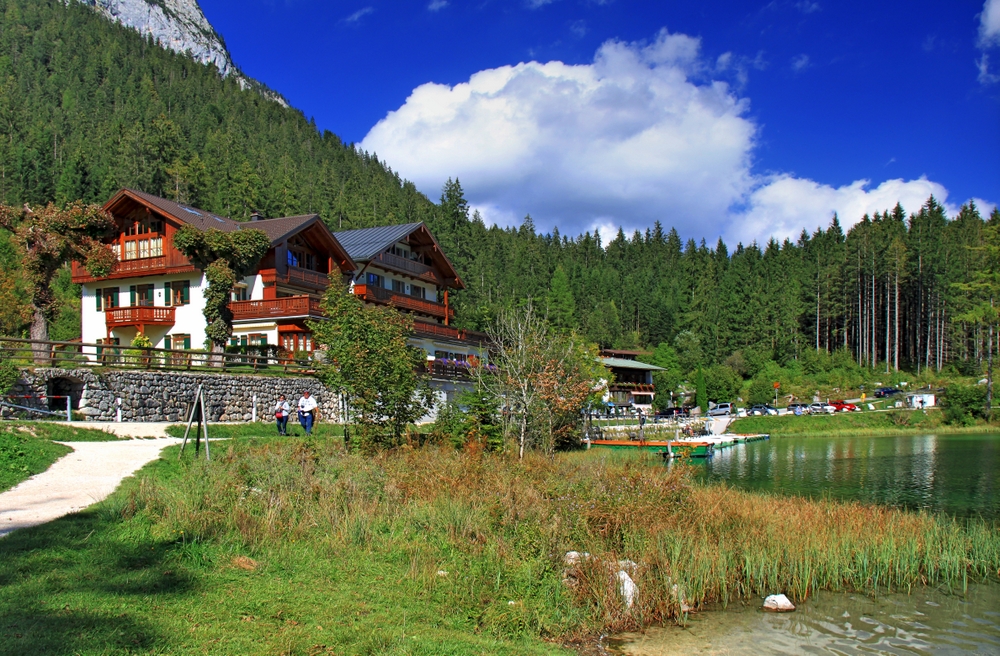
(142, 238)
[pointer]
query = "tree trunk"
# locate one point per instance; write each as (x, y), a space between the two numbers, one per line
(896, 356)
(39, 333)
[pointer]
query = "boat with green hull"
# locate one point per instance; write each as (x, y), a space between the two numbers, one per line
(670, 448)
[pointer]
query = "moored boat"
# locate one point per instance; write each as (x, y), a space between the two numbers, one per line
(674, 448)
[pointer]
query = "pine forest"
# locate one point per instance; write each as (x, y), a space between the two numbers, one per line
(88, 107)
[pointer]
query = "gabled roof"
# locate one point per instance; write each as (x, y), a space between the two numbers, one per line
(275, 229)
(621, 363)
(200, 219)
(366, 243)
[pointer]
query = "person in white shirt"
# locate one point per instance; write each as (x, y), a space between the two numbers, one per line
(307, 411)
(281, 412)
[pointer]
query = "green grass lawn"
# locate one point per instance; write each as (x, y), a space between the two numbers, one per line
(259, 429)
(894, 422)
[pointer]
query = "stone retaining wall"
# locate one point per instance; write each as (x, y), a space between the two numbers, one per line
(164, 396)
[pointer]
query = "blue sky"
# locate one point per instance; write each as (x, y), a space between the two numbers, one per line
(739, 119)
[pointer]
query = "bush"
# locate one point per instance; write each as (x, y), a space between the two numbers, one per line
(964, 403)
(761, 391)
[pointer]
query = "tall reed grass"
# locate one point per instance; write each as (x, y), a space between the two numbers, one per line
(501, 527)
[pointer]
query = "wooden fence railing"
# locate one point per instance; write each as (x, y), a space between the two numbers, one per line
(78, 354)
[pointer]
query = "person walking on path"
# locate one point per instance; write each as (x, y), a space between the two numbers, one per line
(281, 412)
(307, 411)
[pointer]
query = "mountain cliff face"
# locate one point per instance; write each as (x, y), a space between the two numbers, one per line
(176, 24)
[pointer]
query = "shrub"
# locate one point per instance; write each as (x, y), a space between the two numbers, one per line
(964, 403)
(761, 391)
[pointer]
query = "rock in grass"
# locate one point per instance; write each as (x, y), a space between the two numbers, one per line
(627, 588)
(778, 603)
(573, 558)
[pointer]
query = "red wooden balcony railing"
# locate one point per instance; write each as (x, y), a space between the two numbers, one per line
(425, 329)
(140, 315)
(297, 276)
(277, 308)
(415, 269)
(402, 301)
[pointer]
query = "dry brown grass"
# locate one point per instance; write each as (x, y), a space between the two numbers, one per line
(511, 522)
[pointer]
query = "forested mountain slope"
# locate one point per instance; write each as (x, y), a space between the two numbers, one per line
(88, 106)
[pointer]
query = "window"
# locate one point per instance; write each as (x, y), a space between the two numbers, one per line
(241, 293)
(376, 280)
(177, 292)
(398, 287)
(142, 239)
(293, 258)
(416, 291)
(177, 342)
(107, 298)
(258, 339)
(297, 341)
(141, 295)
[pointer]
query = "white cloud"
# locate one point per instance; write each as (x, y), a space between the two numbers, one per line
(989, 24)
(437, 5)
(800, 62)
(359, 14)
(808, 7)
(783, 205)
(638, 135)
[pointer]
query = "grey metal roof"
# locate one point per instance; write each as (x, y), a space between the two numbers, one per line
(366, 243)
(621, 363)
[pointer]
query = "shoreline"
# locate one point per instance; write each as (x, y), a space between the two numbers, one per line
(889, 432)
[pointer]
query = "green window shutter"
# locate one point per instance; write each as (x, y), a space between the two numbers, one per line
(99, 295)
(149, 295)
(243, 340)
(168, 298)
(187, 342)
(115, 302)
(263, 340)
(186, 292)
(233, 341)
(166, 340)
(131, 292)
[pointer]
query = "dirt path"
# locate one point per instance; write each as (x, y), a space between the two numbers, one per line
(76, 480)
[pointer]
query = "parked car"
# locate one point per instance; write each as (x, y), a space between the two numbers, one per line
(722, 410)
(672, 412)
(797, 409)
(821, 408)
(843, 406)
(884, 392)
(762, 409)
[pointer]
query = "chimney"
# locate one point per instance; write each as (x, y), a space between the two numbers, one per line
(255, 216)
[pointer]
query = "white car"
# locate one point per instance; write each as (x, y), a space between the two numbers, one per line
(821, 408)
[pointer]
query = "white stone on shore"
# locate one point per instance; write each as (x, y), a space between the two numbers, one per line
(627, 588)
(778, 603)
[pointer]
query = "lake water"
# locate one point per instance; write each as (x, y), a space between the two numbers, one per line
(956, 475)
(928, 621)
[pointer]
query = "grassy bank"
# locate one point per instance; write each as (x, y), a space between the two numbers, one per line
(259, 429)
(23, 456)
(894, 422)
(286, 546)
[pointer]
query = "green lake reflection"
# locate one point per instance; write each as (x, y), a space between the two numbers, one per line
(956, 475)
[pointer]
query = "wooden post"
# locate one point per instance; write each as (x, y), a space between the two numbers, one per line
(194, 408)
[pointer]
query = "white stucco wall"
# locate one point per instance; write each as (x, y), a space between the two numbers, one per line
(188, 319)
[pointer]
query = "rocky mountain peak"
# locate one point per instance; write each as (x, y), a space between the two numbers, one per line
(176, 24)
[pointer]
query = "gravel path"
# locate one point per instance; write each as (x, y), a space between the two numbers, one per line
(77, 480)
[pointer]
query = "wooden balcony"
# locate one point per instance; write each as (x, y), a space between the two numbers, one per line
(297, 277)
(409, 267)
(289, 307)
(166, 264)
(140, 316)
(424, 329)
(399, 301)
